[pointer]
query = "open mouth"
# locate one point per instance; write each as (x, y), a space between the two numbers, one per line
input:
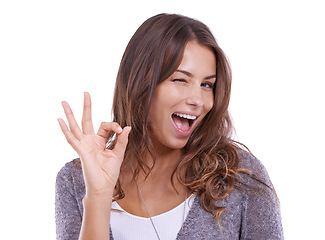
(183, 122)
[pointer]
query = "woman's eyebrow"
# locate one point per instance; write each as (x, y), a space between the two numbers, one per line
(210, 77)
(185, 72)
(191, 75)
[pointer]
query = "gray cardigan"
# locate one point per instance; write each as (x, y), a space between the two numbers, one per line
(248, 215)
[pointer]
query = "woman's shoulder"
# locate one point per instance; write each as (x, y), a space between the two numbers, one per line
(71, 174)
(255, 168)
(261, 214)
(248, 160)
(70, 168)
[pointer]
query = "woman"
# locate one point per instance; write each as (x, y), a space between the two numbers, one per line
(177, 174)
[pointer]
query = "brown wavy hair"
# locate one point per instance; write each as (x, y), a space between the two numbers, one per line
(210, 157)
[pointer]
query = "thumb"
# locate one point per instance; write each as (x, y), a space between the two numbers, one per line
(122, 141)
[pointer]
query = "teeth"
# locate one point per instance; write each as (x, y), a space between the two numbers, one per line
(186, 116)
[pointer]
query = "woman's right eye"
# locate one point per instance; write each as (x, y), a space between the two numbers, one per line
(178, 80)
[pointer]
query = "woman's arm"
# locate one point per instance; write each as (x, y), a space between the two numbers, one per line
(67, 211)
(96, 217)
(100, 167)
(261, 214)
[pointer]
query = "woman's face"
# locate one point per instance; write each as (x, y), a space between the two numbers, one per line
(181, 101)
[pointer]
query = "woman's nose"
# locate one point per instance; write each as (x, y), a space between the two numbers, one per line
(195, 96)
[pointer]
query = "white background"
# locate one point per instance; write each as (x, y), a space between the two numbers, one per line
(55, 50)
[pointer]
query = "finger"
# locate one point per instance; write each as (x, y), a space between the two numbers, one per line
(74, 128)
(87, 124)
(106, 127)
(122, 141)
(71, 139)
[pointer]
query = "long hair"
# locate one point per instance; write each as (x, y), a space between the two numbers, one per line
(210, 157)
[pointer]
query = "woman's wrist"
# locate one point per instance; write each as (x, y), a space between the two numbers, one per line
(98, 198)
(96, 216)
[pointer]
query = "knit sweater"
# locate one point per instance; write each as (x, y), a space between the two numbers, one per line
(248, 215)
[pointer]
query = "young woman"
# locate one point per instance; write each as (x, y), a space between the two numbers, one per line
(166, 167)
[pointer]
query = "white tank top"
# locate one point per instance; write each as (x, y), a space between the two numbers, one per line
(126, 226)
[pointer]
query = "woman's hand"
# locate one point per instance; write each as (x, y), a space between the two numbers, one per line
(101, 166)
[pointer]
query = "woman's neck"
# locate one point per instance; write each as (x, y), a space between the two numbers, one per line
(169, 158)
(157, 189)
(162, 168)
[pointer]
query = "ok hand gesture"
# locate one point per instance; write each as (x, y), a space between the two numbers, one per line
(100, 166)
